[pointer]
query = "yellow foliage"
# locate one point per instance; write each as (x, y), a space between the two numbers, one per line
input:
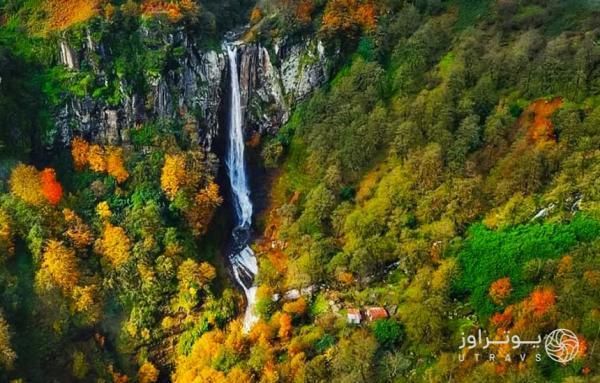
(261, 332)
(173, 174)
(196, 367)
(238, 375)
(79, 152)
(65, 13)
(103, 210)
(285, 326)
(85, 301)
(109, 159)
(114, 245)
(96, 158)
(236, 341)
(25, 183)
(147, 373)
(345, 278)
(206, 202)
(269, 373)
(7, 355)
(60, 265)
(7, 247)
(207, 272)
(189, 275)
(114, 164)
(77, 231)
(297, 307)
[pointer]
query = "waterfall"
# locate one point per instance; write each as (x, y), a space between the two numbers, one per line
(243, 261)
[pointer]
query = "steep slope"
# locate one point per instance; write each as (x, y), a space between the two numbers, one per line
(431, 169)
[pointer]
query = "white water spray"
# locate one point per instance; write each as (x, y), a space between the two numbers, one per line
(243, 260)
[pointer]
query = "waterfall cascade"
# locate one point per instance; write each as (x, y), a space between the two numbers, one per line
(242, 258)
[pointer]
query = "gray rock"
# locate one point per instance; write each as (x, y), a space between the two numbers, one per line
(197, 87)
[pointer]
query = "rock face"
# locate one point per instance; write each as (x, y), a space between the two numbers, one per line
(193, 90)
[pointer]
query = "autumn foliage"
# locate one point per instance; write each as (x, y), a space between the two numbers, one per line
(35, 187)
(78, 232)
(148, 373)
(64, 13)
(7, 246)
(174, 10)
(256, 15)
(79, 151)
(500, 290)
(114, 245)
(541, 128)
(349, 15)
(100, 159)
(173, 174)
(184, 178)
(541, 301)
(51, 188)
(25, 183)
(297, 307)
(59, 265)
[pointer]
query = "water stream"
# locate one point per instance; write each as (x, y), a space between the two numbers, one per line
(242, 258)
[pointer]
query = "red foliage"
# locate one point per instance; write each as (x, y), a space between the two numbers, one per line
(541, 129)
(503, 319)
(345, 15)
(541, 301)
(51, 188)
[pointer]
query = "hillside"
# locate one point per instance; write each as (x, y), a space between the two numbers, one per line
(299, 191)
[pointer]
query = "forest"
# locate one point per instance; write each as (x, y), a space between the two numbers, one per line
(421, 171)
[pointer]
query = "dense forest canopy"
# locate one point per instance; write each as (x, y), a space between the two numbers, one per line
(447, 171)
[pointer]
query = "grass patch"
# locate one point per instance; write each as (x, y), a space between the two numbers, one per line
(488, 255)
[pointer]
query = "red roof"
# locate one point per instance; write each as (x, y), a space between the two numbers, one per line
(353, 312)
(376, 313)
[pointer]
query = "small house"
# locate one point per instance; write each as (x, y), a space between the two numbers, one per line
(375, 313)
(353, 316)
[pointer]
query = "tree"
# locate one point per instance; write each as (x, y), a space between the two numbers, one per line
(353, 360)
(114, 245)
(349, 15)
(173, 174)
(541, 301)
(297, 307)
(500, 290)
(202, 211)
(114, 164)
(285, 326)
(79, 151)
(148, 373)
(388, 332)
(192, 277)
(77, 231)
(96, 158)
(25, 183)
(256, 15)
(51, 188)
(7, 354)
(7, 246)
(59, 266)
(103, 210)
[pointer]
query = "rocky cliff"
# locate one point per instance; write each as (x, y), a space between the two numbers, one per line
(190, 88)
